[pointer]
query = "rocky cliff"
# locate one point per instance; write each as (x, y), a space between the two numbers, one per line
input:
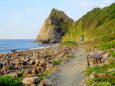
(54, 28)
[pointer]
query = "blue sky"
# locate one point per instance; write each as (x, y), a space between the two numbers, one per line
(22, 19)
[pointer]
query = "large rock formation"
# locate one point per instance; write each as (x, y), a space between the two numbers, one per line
(54, 28)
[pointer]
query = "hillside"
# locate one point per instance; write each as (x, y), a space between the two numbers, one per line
(98, 23)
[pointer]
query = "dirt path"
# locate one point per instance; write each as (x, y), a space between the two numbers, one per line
(69, 74)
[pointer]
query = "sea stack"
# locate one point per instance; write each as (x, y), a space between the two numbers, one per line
(55, 26)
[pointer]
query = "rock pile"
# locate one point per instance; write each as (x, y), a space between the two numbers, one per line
(32, 62)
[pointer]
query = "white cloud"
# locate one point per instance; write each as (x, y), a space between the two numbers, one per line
(105, 3)
(17, 14)
(30, 9)
(16, 22)
(87, 4)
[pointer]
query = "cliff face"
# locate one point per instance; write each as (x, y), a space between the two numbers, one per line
(54, 28)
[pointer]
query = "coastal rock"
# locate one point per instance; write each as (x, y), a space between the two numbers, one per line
(1, 65)
(32, 61)
(13, 74)
(11, 67)
(53, 30)
(31, 80)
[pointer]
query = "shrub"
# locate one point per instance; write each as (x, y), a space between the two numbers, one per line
(7, 80)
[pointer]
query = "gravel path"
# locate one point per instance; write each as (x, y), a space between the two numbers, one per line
(69, 74)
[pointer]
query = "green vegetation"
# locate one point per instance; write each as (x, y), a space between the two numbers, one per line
(7, 80)
(101, 80)
(57, 62)
(20, 74)
(50, 56)
(69, 43)
(44, 75)
(96, 24)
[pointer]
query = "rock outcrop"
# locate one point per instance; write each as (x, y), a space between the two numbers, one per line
(54, 28)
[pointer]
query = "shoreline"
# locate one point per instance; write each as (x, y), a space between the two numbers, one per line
(34, 62)
(52, 45)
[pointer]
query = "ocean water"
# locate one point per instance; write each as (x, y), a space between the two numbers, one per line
(7, 45)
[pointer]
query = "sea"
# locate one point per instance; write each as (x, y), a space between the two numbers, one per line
(8, 45)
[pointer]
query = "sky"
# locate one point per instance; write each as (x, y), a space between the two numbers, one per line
(22, 19)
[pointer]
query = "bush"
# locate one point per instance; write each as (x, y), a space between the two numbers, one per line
(7, 80)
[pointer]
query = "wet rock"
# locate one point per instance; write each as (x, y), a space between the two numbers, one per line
(31, 80)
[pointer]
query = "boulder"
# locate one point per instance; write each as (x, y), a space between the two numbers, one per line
(111, 70)
(13, 74)
(31, 80)
(106, 55)
(11, 67)
(1, 65)
(32, 61)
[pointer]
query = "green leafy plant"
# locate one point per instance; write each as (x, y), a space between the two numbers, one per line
(7, 80)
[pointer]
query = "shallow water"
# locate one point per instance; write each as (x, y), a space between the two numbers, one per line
(7, 45)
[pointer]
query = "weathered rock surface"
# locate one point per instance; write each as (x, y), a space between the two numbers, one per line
(53, 28)
(31, 80)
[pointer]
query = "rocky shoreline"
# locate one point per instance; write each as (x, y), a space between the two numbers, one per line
(31, 63)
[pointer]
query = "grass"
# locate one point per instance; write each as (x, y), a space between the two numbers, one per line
(108, 80)
(44, 75)
(69, 43)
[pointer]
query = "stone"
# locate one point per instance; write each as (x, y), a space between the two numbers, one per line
(106, 55)
(91, 76)
(34, 71)
(42, 61)
(111, 70)
(32, 61)
(31, 80)
(106, 62)
(16, 61)
(101, 65)
(13, 74)
(1, 65)
(47, 82)
(1, 55)
(26, 73)
(49, 66)
(1, 72)
(101, 75)
(11, 67)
